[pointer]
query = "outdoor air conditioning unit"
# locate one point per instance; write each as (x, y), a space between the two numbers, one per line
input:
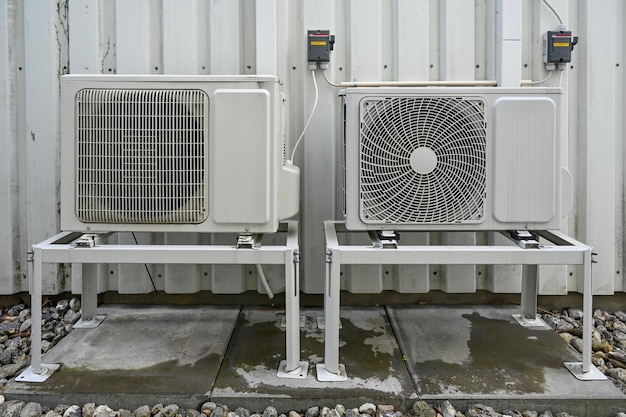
(444, 158)
(174, 153)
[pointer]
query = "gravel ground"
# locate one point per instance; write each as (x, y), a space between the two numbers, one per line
(609, 347)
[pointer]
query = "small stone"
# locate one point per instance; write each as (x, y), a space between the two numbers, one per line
(575, 313)
(74, 411)
(103, 411)
(52, 413)
(242, 412)
(577, 343)
(367, 408)
(530, 413)
(9, 371)
(340, 409)
(618, 373)
(192, 413)
(546, 413)
(125, 413)
(352, 412)
(60, 408)
(10, 327)
(6, 356)
(422, 409)
(480, 410)
(620, 315)
(170, 411)
(312, 411)
(25, 325)
(566, 337)
(143, 411)
(62, 305)
(75, 304)
(564, 326)
(24, 314)
(294, 414)
(325, 412)
(71, 317)
(551, 320)
(31, 410)
(89, 409)
(447, 409)
(16, 309)
(620, 414)
(218, 412)
(12, 408)
(157, 408)
(270, 411)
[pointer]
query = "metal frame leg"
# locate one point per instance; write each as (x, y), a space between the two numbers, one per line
(584, 370)
(331, 369)
(528, 310)
(89, 299)
(292, 367)
(36, 372)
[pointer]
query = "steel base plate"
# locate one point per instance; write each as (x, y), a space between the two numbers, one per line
(28, 375)
(324, 375)
(300, 373)
(528, 322)
(576, 368)
(89, 324)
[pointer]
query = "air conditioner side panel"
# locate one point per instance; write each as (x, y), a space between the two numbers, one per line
(524, 145)
(239, 155)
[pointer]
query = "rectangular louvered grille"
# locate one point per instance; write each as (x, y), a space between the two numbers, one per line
(141, 156)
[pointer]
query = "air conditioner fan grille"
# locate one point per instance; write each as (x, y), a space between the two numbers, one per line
(422, 160)
(141, 156)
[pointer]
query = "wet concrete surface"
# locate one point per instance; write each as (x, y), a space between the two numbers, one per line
(393, 355)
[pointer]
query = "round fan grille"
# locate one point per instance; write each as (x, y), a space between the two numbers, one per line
(422, 160)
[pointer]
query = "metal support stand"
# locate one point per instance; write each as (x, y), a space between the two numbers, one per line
(60, 249)
(560, 249)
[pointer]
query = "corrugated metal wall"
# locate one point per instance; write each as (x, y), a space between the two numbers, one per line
(376, 40)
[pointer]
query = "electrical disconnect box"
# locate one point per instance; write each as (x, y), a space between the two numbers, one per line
(320, 43)
(558, 46)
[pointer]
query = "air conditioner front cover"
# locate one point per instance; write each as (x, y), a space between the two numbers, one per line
(171, 153)
(451, 159)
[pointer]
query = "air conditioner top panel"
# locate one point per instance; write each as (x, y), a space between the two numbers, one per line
(168, 78)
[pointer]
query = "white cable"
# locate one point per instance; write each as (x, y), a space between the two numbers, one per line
(541, 81)
(266, 285)
(330, 82)
(560, 77)
(293, 153)
(553, 11)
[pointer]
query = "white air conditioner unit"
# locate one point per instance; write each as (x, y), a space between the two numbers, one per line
(452, 158)
(174, 153)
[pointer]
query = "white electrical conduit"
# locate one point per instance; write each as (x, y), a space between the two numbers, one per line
(475, 83)
(266, 285)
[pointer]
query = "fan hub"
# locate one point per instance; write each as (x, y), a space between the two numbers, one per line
(423, 160)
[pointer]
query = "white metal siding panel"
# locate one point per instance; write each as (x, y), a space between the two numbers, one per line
(225, 40)
(597, 200)
(410, 40)
(10, 243)
(185, 34)
(46, 46)
(138, 31)
(318, 151)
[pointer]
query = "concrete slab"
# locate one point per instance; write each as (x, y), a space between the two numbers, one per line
(481, 354)
(138, 355)
(376, 371)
